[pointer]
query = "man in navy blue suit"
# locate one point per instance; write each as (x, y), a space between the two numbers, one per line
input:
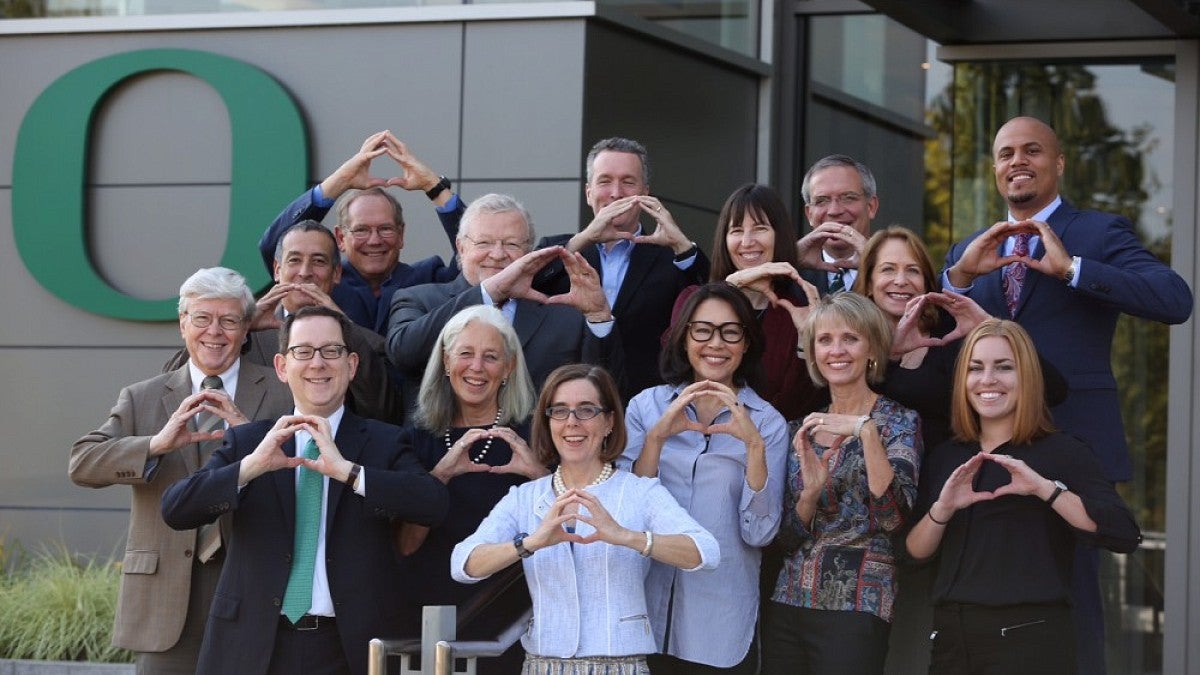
(1066, 275)
(370, 228)
(310, 576)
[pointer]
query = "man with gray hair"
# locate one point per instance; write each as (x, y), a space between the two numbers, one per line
(840, 201)
(494, 243)
(159, 431)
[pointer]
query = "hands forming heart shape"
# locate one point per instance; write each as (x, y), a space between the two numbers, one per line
(967, 314)
(355, 173)
(959, 490)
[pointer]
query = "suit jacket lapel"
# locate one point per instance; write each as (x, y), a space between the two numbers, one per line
(251, 390)
(529, 317)
(1057, 221)
(179, 387)
(641, 260)
(351, 438)
(284, 481)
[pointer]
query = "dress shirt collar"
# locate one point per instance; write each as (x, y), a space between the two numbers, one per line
(229, 378)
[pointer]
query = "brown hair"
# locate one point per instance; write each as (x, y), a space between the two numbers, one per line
(870, 257)
(673, 362)
(541, 441)
(761, 201)
(1031, 417)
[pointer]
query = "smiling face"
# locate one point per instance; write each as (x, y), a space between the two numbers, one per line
(840, 352)
(896, 278)
(213, 349)
(616, 175)
(493, 242)
(579, 442)
(308, 257)
(318, 385)
(370, 250)
(992, 382)
(751, 242)
(1028, 164)
(477, 364)
(715, 359)
(836, 196)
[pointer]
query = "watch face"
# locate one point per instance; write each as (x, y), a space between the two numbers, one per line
(1060, 485)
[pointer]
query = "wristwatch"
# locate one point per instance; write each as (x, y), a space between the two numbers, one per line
(519, 543)
(1059, 488)
(688, 253)
(442, 185)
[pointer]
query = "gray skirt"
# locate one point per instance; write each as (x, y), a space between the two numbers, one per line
(598, 665)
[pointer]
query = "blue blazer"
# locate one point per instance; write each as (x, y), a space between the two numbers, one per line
(364, 579)
(1073, 327)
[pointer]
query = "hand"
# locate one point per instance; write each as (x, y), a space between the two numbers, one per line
(761, 277)
(1025, 481)
(606, 528)
(416, 176)
(674, 419)
(311, 294)
(330, 461)
(457, 459)
(740, 426)
(958, 492)
(982, 255)
(355, 173)
(550, 531)
(799, 313)
(601, 230)
(269, 455)
(516, 280)
(176, 434)
(840, 426)
(1055, 260)
(523, 461)
(266, 308)
(810, 246)
(814, 471)
(585, 294)
(966, 312)
(666, 233)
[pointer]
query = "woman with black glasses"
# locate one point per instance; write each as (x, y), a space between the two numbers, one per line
(722, 451)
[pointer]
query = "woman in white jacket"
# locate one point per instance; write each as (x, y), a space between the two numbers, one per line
(594, 531)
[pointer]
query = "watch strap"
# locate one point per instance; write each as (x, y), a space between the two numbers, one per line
(443, 184)
(1059, 488)
(519, 544)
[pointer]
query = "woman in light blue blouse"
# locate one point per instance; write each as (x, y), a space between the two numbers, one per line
(851, 483)
(721, 450)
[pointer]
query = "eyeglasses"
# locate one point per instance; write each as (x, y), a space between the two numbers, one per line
(703, 331)
(202, 320)
(489, 244)
(364, 232)
(582, 413)
(307, 352)
(845, 200)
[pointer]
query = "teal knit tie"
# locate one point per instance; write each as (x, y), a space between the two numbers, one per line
(298, 598)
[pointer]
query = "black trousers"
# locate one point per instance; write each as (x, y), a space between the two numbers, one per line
(1014, 640)
(308, 652)
(802, 641)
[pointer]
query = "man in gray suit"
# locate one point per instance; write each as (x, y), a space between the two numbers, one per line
(494, 245)
(159, 431)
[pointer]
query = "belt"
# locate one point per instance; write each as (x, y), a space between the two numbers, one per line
(308, 622)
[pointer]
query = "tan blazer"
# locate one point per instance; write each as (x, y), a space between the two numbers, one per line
(157, 569)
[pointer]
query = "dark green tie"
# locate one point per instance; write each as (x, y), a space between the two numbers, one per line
(298, 598)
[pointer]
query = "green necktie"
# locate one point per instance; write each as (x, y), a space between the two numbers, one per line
(298, 598)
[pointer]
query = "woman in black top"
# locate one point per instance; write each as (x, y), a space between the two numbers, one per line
(1013, 496)
(471, 433)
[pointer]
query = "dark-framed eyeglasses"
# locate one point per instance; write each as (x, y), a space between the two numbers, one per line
(731, 332)
(328, 352)
(202, 320)
(582, 413)
(385, 232)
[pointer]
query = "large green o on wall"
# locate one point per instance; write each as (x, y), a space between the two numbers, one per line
(270, 166)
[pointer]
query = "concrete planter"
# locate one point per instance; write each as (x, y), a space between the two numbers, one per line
(21, 667)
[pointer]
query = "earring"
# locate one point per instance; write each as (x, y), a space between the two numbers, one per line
(504, 382)
(447, 373)
(870, 365)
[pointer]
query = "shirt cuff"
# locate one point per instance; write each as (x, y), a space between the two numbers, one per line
(361, 488)
(601, 329)
(487, 299)
(687, 262)
(450, 206)
(947, 286)
(1074, 283)
(318, 198)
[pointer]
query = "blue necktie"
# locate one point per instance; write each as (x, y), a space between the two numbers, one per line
(298, 598)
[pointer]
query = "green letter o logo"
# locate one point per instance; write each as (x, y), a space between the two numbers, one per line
(270, 162)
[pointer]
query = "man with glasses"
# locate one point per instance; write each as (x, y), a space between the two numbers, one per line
(162, 430)
(840, 202)
(370, 228)
(495, 242)
(311, 575)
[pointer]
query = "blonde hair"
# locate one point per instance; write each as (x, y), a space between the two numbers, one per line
(864, 318)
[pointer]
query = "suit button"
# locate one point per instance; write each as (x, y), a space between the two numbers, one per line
(187, 553)
(276, 601)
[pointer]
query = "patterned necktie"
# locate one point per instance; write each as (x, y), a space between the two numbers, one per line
(208, 540)
(298, 598)
(838, 284)
(1014, 274)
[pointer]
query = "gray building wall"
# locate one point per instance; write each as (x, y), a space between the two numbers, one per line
(496, 105)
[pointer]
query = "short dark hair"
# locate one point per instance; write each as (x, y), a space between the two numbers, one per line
(343, 205)
(864, 175)
(618, 144)
(308, 226)
(540, 439)
(760, 200)
(285, 333)
(673, 361)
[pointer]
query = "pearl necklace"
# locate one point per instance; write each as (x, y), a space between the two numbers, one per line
(560, 485)
(487, 445)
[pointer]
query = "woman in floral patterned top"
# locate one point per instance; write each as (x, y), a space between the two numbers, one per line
(851, 484)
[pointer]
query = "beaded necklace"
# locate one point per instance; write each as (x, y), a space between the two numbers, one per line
(560, 486)
(487, 445)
